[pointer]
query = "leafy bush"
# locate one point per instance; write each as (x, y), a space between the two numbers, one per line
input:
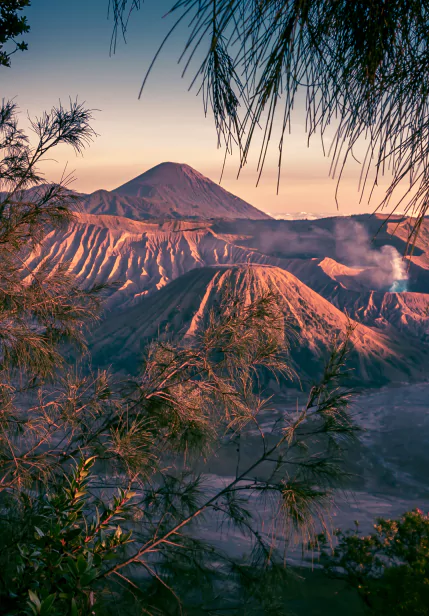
(12, 25)
(56, 567)
(390, 567)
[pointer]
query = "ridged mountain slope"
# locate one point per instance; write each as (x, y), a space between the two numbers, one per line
(142, 257)
(347, 289)
(138, 257)
(312, 323)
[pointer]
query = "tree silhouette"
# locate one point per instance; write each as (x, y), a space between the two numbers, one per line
(12, 25)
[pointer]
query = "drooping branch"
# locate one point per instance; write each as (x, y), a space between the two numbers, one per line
(361, 68)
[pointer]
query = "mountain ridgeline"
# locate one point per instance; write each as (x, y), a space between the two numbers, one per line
(181, 308)
(171, 190)
(169, 243)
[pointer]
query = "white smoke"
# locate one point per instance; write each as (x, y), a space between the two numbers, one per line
(399, 271)
(384, 269)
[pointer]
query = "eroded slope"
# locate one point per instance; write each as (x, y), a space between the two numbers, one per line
(312, 323)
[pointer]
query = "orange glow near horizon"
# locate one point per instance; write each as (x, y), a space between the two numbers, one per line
(305, 185)
(69, 56)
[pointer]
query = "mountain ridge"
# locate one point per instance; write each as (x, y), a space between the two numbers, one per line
(312, 323)
(140, 257)
(171, 190)
(153, 263)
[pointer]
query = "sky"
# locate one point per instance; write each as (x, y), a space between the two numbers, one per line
(69, 56)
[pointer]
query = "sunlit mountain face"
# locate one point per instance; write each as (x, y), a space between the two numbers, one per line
(142, 241)
(303, 215)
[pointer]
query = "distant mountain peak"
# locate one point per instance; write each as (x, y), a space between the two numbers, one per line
(172, 190)
(167, 174)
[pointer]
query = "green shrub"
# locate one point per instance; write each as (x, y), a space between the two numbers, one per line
(389, 567)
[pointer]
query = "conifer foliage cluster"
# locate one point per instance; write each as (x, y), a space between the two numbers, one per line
(100, 499)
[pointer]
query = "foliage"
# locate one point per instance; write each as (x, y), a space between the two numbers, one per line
(361, 68)
(39, 309)
(390, 567)
(153, 434)
(11, 26)
(291, 470)
(57, 566)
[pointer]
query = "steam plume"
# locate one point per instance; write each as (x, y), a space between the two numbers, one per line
(385, 269)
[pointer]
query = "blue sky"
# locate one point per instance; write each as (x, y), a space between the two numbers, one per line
(69, 57)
